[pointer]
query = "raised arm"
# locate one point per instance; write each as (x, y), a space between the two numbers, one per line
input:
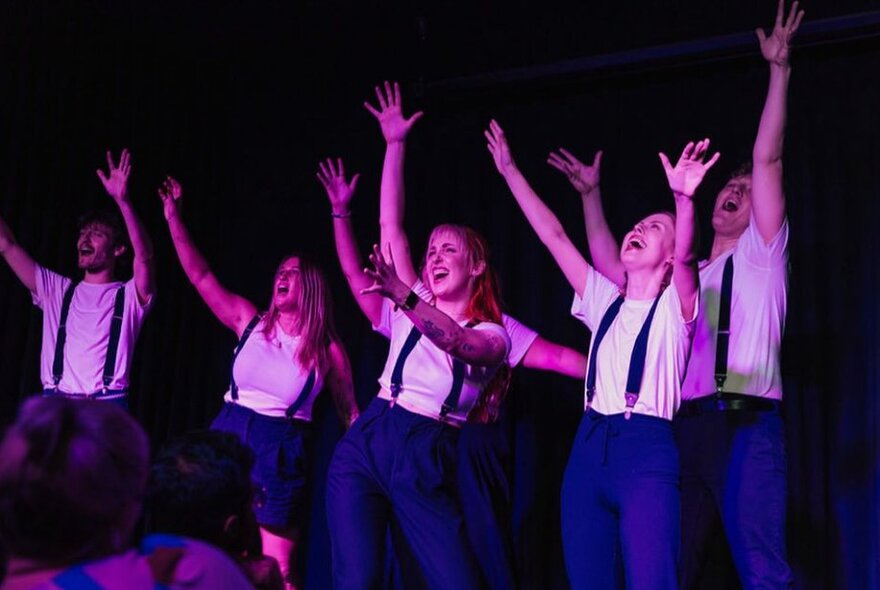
(232, 310)
(116, 185)
(540, 217)
(544, 355)
(340, 192)
(604, 250)
(340, 383)
(684, 178)
(768, 198)
(475, 347)
(17, 258)
(395, 129)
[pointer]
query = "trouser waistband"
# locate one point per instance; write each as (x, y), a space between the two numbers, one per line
(104, 394)
(728, 402)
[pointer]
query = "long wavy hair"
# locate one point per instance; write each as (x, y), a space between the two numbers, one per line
(485, 305)
(314, 315)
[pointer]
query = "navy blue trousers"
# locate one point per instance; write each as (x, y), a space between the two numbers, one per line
(621, 504)
(396, 468)
(280, 461)
(733, 482)
(484, 492)
(486, 499)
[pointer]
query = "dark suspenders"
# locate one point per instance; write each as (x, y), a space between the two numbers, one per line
(637, 359)
(723, 339)
(115, 333)
(112, 344)
(233, 387)
(458, 371)
(58, 362)
(303, 394)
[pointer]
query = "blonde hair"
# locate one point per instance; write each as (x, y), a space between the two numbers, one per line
(314, 316)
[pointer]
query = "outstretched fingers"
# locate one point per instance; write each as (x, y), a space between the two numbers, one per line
(667, 165)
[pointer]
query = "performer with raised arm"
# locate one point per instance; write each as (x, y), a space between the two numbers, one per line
(483, 481)
(280, 364)
(90, 325)
(729, 429)
(396, 465)
(621, 483)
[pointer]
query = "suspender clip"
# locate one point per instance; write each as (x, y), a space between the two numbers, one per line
(631, 399)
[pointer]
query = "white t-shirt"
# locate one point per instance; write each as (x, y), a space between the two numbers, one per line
(521, 339)
(88, 331)
(521, 336)
(669, 343)
(268, 376)
(757, 319)
(427, 373)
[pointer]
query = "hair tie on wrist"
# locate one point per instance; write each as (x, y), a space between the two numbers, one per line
(340, 215)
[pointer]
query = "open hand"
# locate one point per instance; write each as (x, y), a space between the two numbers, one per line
(332, 178)
(171, 194)
(776, 47)
(384, 277)
(395, 127)
(498, 147)
(116, 183)
(584, 178)
(690, 169)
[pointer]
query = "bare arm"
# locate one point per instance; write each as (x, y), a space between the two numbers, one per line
(116, 185)
(17, 258)
(475, 347)
(684, 178)
(540, 217)
(340, 193)
(549, 356)
(604, 250)
(395, 129)
(768, 198)
(339, 381)
(232, 310)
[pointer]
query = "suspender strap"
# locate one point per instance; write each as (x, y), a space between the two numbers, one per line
(233, 388)
(397, 373)
(609, 316)
(58, 362)
(637, 361)
(303, 395)
(115, 333)
(723, 339)
(458, 369)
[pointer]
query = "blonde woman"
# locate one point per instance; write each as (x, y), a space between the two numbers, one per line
(282, 360)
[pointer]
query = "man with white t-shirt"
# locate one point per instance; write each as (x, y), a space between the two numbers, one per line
(729, 428)
(90, 325)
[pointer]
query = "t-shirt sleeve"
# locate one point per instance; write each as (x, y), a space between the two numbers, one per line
(133, 302)
(386, 317)
(752, 248)
(672, 302)
(499, 330)
(521, 339)
(599, 292)
(50, 286)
